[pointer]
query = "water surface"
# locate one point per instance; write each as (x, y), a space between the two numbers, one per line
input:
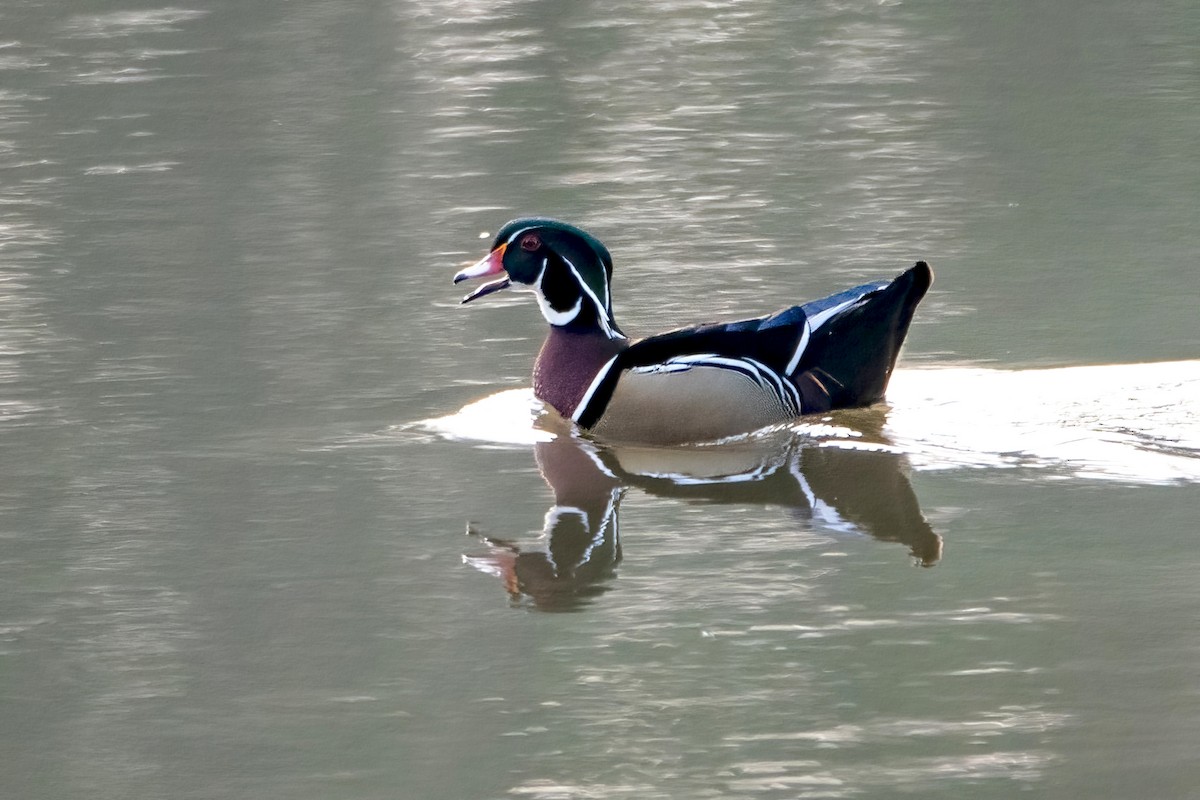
(236, 560)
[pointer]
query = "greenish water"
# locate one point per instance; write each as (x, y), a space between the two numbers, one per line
(256, 541)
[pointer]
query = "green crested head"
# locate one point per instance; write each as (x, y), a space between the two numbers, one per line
(567, 269)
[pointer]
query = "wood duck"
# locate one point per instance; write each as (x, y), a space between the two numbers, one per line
(700, 383)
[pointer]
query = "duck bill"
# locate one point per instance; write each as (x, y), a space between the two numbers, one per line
(491, 264)
(487, 288)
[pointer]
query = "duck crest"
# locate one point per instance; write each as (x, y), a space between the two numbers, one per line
(569, 362)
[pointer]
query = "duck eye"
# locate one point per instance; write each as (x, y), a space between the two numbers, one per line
(531, 242)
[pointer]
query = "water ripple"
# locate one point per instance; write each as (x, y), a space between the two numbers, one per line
(128, 23)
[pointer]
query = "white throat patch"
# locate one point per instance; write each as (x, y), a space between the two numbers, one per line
(553, 315)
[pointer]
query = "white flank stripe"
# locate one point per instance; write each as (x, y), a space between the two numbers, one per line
(739, 365)
(813, 323)
(791, 367)
(762, 375)
(757, 372)
(655, 369)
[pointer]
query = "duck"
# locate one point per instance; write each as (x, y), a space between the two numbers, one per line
(701, 383)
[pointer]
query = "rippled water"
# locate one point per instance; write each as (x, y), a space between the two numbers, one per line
(279, 519)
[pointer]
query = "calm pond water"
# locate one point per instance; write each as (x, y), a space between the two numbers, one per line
(278, 518)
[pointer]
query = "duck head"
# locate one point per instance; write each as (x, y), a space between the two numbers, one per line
(568, 270)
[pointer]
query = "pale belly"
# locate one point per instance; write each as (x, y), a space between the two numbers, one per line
(695, 405)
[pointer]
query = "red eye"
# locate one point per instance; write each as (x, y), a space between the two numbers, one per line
(531, 242)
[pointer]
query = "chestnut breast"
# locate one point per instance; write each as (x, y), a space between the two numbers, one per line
(567, 364)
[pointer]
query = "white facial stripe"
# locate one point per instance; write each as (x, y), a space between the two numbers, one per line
(601, 308)
(509, 240)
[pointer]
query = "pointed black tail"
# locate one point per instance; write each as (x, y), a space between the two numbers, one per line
(850, 358)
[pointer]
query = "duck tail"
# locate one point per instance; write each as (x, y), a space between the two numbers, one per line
(853, 345)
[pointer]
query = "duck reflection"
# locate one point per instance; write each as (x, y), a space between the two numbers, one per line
(846, 490)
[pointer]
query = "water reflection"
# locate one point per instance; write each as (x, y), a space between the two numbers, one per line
(859, 491)
(846, 473)
(580, 544)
